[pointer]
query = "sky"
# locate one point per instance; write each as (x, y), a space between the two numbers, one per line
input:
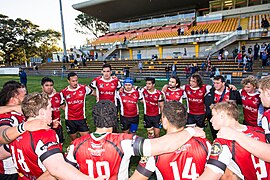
(46, 14)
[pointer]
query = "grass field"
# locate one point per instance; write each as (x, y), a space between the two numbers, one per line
(33, 85)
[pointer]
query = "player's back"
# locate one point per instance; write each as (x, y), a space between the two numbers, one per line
(187, 162)
(106, 155)
(30, 149)
(239, 160)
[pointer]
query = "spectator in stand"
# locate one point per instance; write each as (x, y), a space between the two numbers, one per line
(243, 49)
(182, 31)
(125, 40)
(264, 58)
(256, 51)
(192, 32)
(206, 31)
(235, 52)
(249, 62)
(174, 69)
(179, 31)
(201, 31)
(250, 50)
(226, 53)
(140, 67)
(196, 32)
(239, 59)
(244, 62)
(167, 71)
(239, 28)
(266, 24)
(187, 71)
(220, 52)
(262, 49)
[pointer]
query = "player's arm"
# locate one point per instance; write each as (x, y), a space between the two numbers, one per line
(145, 168)
(138, 176)
(46, 176)
(209, 174)
(257, 148)
(164, 88)
(4, 152)
(8, 134)
(169, 142)
(161, 104)
(5, 109)
(58, 168)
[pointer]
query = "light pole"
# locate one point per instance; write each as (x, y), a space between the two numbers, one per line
(64, 39)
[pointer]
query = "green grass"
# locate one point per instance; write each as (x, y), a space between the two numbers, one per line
(33, 85)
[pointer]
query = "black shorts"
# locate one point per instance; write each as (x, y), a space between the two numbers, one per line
(152, 121)
(59, 132)
(127, 121)
(9, 176)
(197, 120)
(74, 126)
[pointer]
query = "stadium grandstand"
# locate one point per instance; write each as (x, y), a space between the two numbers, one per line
(160, 32)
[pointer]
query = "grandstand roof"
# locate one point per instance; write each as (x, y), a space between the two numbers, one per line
(122, 10)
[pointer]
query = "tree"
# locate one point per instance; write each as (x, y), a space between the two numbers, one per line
(90, 25)
(21, 39)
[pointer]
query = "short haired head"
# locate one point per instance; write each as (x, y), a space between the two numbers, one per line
(219, 77)
(107, 66)
(9, 90)
(264, 83)
(33, 102)
(128, 81)
(198, 79)
(46, 79)
(250, 80)
(228, 107)
(176, 113)
(71, 74)
(178, 82)
(153, 80)
(104, 114)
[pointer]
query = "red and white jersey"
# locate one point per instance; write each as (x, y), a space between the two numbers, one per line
(251, 104)
(106, 89)
(217, 95)
(55, 99)
(106, 155)
(151, 100)
(30, 149)
(187, 162)
(174, 94)
(75, 101)
(227, 153)
(10, 119)
(195, 99)
(266, 124)
(129, 102)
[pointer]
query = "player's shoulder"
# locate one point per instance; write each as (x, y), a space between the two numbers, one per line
(119, 136)
(5, 115)
(114, 78)
(81, 139)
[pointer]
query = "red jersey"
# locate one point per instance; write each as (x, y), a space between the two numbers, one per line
(266, 124)
(195, 99)
(150, 101)
(75, 102)
(174, 94)
(129, 102)
(30, 149)
(237, 159)
(106, 89)
(218, 95)
(187, 162)
(55, 99)
(251, 104)
(10, 119)
(106, 155)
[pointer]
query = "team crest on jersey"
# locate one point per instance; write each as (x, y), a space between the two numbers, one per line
(167, 93)
(101, 86)
(244, 97)
(47, 145)
(216, 149)
(80, 93)
(188, 92)
(68, 96)
(144, 159)
(56, 100)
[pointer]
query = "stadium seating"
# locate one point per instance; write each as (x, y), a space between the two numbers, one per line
(255, 20)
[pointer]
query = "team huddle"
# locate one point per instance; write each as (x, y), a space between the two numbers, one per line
(31, 134)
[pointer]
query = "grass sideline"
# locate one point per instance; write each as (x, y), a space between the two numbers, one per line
(33, 85)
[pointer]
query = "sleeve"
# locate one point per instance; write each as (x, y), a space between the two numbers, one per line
(88, 90)
(119, 85)
(161, 97)
(93, 84)
(5, 121)
(208, 87)
(140, 95)
(62, 98)
(146, 166)
(70, 156)
(266, 127)
(219, 158)
(137, 146)
(47, 145)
